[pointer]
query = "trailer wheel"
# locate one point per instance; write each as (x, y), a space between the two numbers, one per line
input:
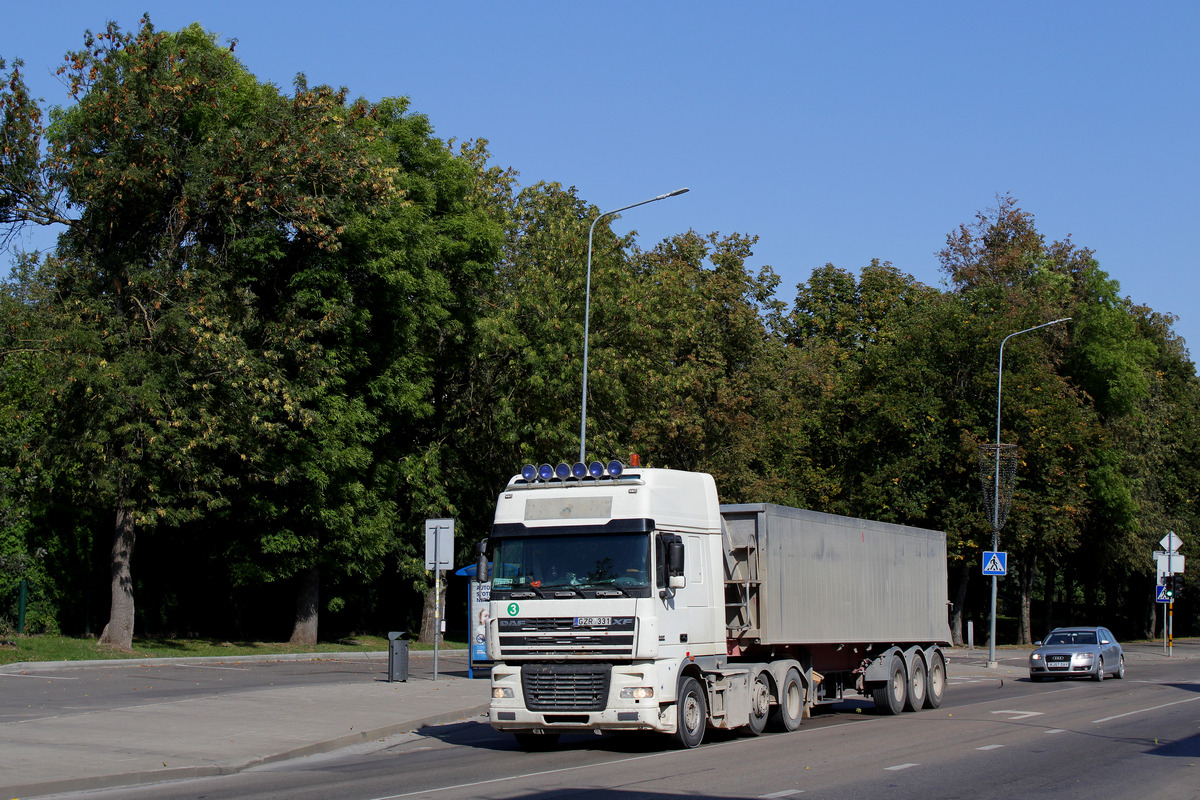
(935, 681)
(789, 712)
(917, 685)
(537, 742)
(691, 714)
(891, 696)
(760, 704)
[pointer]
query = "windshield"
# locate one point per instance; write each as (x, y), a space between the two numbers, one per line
(1077, 637)
(576, 563)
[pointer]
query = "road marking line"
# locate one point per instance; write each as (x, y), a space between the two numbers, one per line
(901, 766)
(1016, 715)
(40, 677)
(1055, 730)
(1140, 710)
(990, 747)
(207, 666)
(784, 793)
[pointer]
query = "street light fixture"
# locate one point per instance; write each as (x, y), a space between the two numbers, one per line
(996, 489)
(587, 308)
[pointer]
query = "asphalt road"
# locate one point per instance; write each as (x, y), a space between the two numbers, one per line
(1132, 738)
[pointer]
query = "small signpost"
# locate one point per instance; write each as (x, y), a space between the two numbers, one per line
(1168, 564)
(439, 552)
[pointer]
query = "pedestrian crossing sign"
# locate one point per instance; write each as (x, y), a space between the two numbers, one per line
(995, 562)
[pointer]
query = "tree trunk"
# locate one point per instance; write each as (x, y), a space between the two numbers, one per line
(429, 626)
(1026, 588)
(307, 599)
(1048, 598)
(956, 610)
(118, 632)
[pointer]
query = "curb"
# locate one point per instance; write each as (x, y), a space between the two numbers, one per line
(353, 655)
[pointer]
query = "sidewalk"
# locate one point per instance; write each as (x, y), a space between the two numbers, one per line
(219, 734)
(223, 733)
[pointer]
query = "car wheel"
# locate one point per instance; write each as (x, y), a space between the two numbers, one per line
(1099, 676)
(1120, 673)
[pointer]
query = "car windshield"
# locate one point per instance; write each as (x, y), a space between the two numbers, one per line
(1072, 637)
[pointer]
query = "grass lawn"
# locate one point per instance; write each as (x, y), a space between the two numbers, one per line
(70, 648)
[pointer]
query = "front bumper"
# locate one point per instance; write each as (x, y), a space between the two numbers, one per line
(508, 711)
(1052, 665)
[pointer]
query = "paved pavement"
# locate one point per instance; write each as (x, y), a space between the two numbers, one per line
(92, 744)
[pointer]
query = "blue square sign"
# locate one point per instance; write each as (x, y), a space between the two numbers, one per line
(995, 562)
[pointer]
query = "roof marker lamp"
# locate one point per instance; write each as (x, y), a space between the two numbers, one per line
(615, 468)
(596, 469)
(545, 472)
(529, 472)
(579, 470)
(562, 471)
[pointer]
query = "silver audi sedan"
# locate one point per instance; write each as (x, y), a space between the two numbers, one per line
(1077, 653)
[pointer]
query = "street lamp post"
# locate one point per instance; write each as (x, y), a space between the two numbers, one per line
(996, 490)
(587, 308)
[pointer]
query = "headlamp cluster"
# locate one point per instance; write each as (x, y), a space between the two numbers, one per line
(579, 471)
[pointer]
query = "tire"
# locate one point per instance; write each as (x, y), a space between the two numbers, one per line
(891, 696)
(917, 684)
(789, 711)
(935, 681)
(537, 742)
(691, 714)
(1099, 676)
(1120, 673)
(760, 704)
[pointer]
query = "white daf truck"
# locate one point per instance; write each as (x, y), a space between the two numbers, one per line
(628, 599)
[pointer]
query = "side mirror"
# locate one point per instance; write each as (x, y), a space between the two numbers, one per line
(1105, 641)
(481, 563)
(675, 559)
(676, 582)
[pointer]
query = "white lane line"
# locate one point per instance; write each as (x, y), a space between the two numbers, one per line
(208, 666)
(1141, 710)
(784, 793)
(1055, 730)
(1016, 715)
(990, 747)
(900, 767)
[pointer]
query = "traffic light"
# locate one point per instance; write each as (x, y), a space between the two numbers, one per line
(1169, 587)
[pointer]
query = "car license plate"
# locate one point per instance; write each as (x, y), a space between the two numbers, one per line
(586, 622)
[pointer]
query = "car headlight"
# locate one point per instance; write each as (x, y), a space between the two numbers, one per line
(1036, 657)
(502, 693)
(637, 693)
(1083, 658)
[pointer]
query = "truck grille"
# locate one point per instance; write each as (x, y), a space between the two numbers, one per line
(562, 637)
(565, 687)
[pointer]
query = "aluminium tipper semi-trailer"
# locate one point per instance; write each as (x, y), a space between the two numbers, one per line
(634, 601)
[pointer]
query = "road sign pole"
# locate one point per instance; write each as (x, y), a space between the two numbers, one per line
(437, 603)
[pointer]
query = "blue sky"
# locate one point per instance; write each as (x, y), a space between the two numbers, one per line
(835, 132)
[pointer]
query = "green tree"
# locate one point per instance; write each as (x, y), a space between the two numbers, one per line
(175, 163)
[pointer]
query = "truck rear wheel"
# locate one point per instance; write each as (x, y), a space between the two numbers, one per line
(691, 714)
(935, 681)
(760, 704)
(917, 684)
(891, 696)
(789, 712)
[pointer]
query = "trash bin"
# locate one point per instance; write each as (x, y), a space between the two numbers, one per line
(397, 656)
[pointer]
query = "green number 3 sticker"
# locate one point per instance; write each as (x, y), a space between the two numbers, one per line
(513, 608)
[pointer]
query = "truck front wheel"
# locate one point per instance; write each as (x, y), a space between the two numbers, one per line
(789, 713)
(890, 696)
(691, 714)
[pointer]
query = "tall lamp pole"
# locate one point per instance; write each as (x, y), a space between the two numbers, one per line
(996, 487)
(587, 308)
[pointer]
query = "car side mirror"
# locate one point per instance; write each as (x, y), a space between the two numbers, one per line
(1037, 643)
(676, 581)
(1105, 641)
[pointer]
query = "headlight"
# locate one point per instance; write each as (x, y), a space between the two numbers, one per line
(1036, 657)
(1083, 658)
(637, 693)
(501, 693)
